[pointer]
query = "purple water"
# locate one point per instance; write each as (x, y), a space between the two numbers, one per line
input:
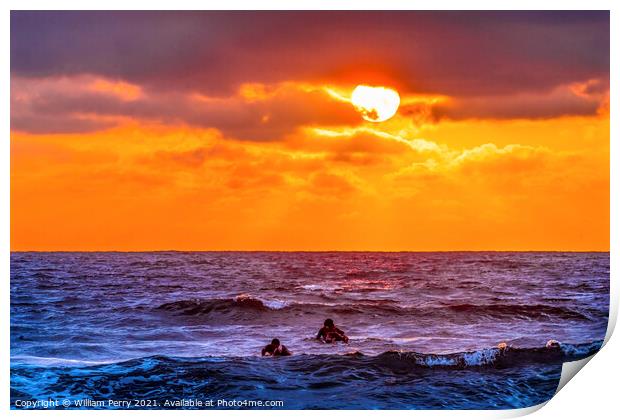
(75, 316)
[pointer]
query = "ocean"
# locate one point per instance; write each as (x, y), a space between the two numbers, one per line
(175, 329)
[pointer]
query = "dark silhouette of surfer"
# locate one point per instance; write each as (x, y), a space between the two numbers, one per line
(329, 333)
(275, 349)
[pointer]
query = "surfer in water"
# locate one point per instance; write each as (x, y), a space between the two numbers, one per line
(275, 349)
(329, 333)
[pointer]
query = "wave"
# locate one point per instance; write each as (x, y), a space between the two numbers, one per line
(389, 380)
(58, 361)
(500, 356)
(249, 305)
(527, 311)
(207, 306)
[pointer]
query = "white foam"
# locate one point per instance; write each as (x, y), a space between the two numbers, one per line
(480, 357)
(275, 304)
(271, 304)
(431, 361)
(315, 287)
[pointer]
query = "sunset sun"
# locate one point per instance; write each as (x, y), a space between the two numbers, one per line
(376, 104)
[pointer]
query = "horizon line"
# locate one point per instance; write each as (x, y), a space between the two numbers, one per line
(309, 251)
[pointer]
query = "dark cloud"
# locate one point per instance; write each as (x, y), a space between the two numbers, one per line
(50, 107)
(50, 124)
(562, 101)
(452, 53)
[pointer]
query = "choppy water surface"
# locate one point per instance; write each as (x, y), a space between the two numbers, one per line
(424, 327)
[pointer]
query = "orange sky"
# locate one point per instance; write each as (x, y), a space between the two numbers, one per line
(111, 163)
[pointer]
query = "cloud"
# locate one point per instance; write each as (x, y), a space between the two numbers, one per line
(266, 112)
(362, 187)
(260, 75)
(453, 53)
(49, 124)
(512, 172)
(567, 100)
(324, 183)
(509, 166)
(54, 104)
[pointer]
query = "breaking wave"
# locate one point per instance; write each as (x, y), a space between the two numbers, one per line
(161, 377)
(250, 305)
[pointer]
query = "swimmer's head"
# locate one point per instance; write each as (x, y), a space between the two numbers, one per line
(275, 342)
(329, 322)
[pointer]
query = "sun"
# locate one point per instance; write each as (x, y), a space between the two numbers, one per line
(376, 104)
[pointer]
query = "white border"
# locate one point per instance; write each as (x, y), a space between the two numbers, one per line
(593, 394)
